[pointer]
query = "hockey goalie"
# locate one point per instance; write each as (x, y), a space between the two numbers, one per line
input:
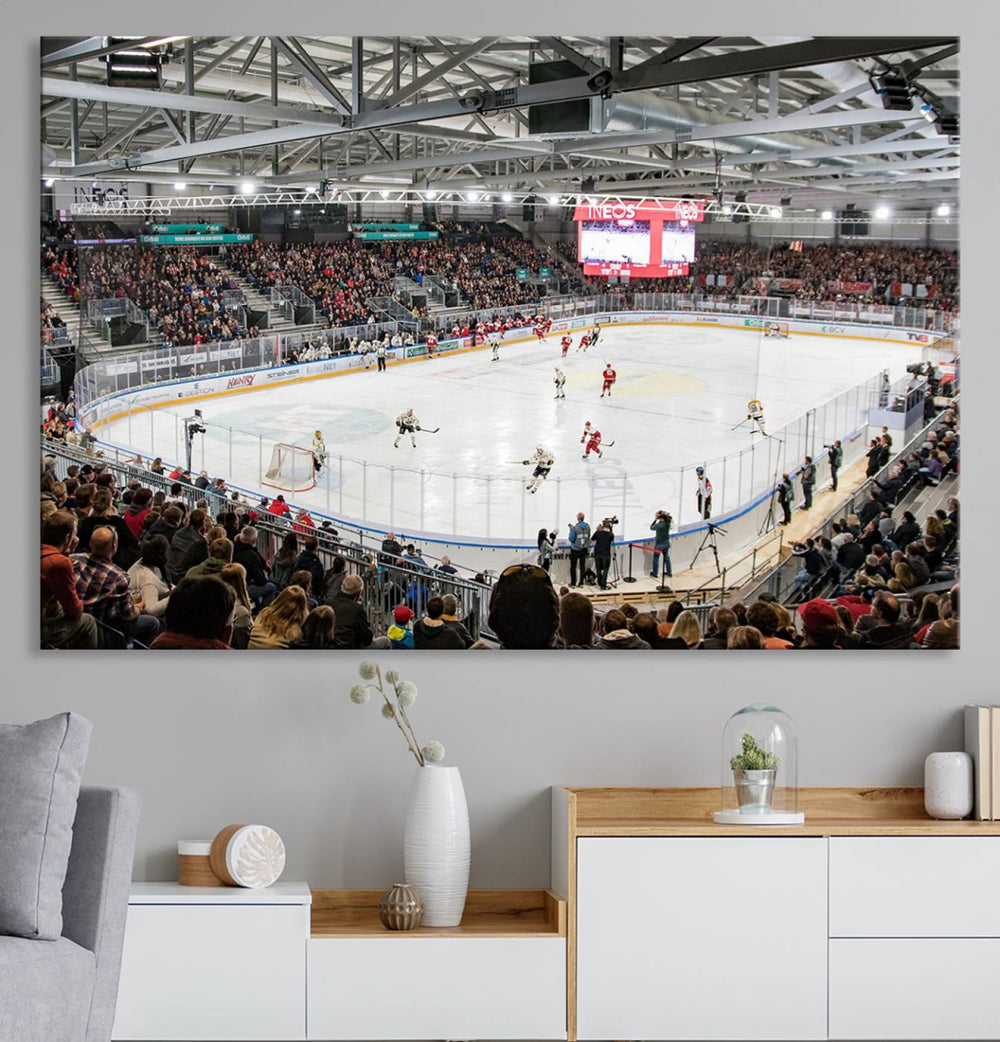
(778, 329)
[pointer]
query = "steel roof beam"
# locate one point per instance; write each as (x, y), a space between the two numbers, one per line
(303, 63)
(86, 91)
(455, 59)
(94, 47)
(818, 51)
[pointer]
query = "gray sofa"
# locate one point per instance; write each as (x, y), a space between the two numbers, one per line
(65, 990)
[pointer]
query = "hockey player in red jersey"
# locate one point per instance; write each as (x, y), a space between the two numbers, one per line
(566, 342)
(584, 342)
(540, 329)
(432, 342)
(548, 325)
(609, 378)
(593, 445)
(586, 433)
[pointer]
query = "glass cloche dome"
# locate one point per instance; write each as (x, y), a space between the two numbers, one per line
(760, 772)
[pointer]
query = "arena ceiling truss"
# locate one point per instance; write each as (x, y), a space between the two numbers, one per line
(421, 117)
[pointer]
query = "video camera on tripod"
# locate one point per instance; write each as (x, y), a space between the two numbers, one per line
(610, 521)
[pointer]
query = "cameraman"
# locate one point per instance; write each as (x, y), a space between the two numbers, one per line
(836, 457)
(661, 545)
(603, 538)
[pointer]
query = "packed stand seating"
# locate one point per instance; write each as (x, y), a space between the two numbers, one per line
(819, 266)
(341, 276)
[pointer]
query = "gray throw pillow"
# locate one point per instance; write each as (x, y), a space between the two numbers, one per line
(41, 765)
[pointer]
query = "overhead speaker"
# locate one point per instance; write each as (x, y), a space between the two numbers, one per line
(528, 209)
(740, 217)
(560, 117)
(430, 213)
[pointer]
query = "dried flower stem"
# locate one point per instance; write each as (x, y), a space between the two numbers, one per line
(401, 710)
(397, 711)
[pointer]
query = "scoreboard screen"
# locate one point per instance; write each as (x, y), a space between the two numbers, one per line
(651, 239)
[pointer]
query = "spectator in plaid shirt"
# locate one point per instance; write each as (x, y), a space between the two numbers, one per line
(104, 589)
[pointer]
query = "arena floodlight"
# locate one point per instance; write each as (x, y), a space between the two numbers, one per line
(507, 197)
(247, 188)
(882, 213)
(296, 213)
(943, 210)
(49, 182)
(827, 215)
(431, 193)
(553, 200)
(775, 212)
(727, 210)
(179, 186)
(471, 196)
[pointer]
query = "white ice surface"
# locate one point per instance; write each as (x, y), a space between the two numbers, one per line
(679, 392)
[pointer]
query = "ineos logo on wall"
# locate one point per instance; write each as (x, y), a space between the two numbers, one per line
(614, 211)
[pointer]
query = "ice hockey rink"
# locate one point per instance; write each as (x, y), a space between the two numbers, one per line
(679, 393)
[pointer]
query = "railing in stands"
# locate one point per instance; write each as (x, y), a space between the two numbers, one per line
(780, 580)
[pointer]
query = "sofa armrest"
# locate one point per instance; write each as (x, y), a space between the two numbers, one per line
(95, 894)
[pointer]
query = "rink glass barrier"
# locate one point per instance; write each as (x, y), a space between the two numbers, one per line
(488, 510)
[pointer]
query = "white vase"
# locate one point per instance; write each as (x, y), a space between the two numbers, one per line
(436, 844)
(948, 785)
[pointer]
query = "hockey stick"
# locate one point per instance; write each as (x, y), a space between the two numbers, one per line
(430, 430)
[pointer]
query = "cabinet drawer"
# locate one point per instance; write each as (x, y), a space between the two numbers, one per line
(213, 972)
(925, 988)
(692, 938)
(437, 987)
(921, 886)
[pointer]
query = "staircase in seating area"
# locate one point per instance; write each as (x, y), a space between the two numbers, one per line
(259, 301)
(69, 312)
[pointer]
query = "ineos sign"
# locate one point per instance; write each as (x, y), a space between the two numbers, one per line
(614, 211)
(686, 211)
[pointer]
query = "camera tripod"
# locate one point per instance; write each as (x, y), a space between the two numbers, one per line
(712, 543)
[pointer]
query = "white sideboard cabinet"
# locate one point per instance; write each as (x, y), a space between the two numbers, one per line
(219, 963)
(870, 921)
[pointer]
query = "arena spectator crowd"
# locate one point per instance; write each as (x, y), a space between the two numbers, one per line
(820, 266)
(180, 288)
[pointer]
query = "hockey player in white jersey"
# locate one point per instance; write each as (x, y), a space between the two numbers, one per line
(367, 352)
(494, 342)
(543, 461)
(755, 414)
(560, 381)
(318, 451)
(407, 423)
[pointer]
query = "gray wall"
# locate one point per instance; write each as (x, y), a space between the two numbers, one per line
(218, 739)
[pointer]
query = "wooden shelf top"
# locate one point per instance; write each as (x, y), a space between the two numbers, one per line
(488, 913)
(829, 812)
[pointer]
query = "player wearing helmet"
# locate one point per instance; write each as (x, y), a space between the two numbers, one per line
(407, 423)
(593, 445)
(318, 451)
(560, 381)
(543, 461)
(609, 379)
(704, 493)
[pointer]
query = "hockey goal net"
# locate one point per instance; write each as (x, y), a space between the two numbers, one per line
(291, 469)
(776, 329)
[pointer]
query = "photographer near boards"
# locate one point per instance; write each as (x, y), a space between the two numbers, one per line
(661, 543)
(603, 539)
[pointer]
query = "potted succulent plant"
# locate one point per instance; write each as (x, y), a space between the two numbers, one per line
(754, 774)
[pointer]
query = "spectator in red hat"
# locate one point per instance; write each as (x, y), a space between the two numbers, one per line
(820, 624)
(399, 633)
